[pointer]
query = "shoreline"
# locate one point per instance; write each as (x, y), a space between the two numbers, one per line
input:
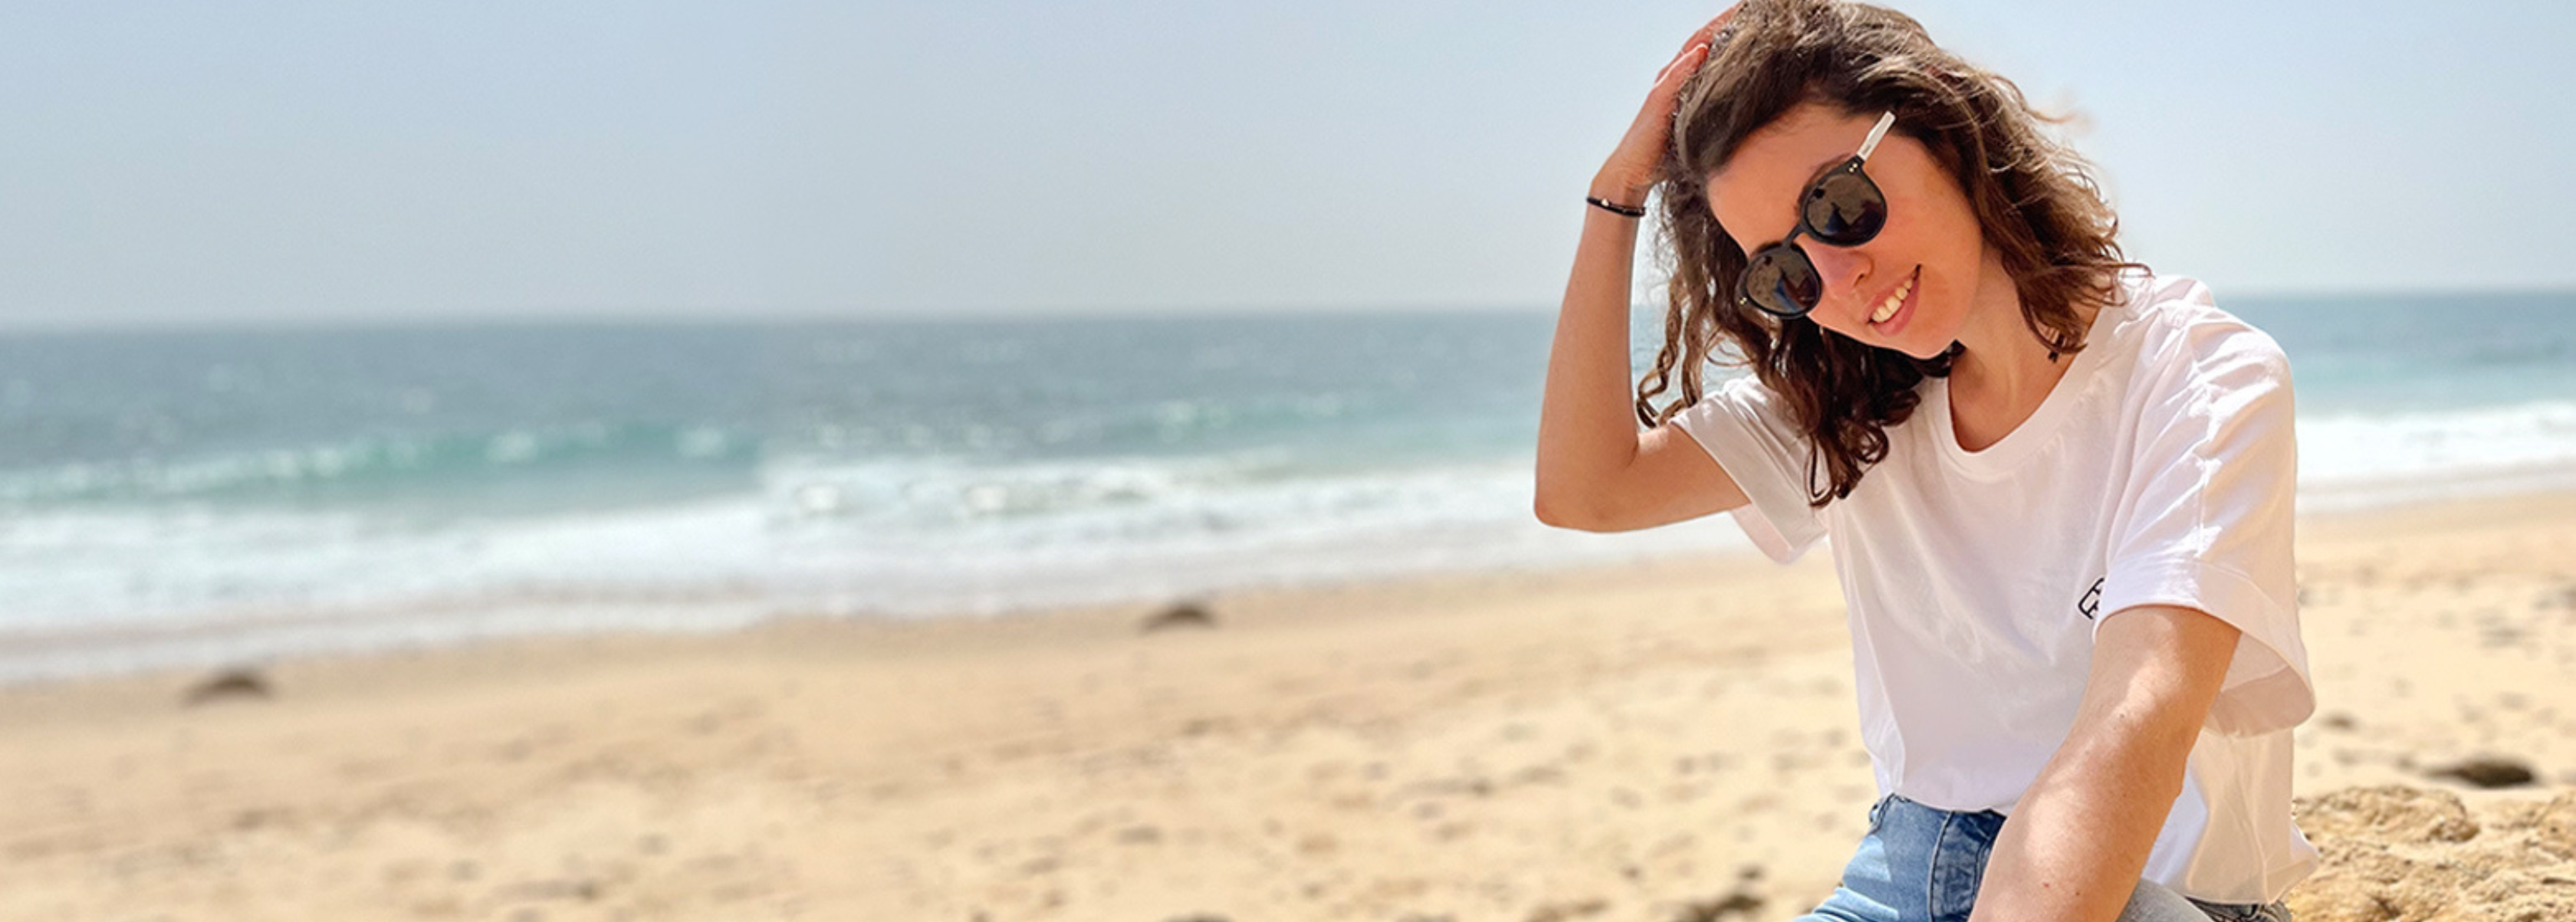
(712, 616)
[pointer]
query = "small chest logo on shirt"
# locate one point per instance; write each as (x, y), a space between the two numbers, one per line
(2091, 603)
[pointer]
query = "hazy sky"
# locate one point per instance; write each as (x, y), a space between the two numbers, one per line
(370, 161)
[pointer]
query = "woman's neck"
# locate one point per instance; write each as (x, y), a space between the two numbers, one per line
(2002, 372)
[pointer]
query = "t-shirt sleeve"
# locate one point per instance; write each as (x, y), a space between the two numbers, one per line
(2207, 519)
(1742, 425)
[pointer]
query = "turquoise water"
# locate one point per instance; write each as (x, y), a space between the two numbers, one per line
(194, 495)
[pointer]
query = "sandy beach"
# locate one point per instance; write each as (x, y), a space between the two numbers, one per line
(1671, 740)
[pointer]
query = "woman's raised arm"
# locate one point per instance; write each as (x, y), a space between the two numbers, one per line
(1596, 472)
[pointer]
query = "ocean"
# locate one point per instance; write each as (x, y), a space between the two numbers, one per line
(191, 498)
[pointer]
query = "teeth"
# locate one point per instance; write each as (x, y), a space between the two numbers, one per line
(1894, 301)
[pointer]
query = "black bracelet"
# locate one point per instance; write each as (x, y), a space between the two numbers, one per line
(1616, 208)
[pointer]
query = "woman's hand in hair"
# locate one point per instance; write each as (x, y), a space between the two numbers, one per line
(1631, 170)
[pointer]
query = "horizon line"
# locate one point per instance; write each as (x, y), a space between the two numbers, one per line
(708, 316)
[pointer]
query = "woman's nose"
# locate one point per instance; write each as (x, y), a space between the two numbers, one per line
(1841, 270)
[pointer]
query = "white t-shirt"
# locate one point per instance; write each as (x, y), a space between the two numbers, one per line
(2160, 470)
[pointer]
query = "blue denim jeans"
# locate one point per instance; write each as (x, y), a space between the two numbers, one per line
(1922, 864)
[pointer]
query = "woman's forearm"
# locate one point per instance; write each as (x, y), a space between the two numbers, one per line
(1587, 428)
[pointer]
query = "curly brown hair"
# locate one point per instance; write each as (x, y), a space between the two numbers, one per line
(2035, 200)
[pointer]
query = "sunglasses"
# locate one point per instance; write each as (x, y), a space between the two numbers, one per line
(1843, 208)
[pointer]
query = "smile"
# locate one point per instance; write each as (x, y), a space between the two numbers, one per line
(1896, 300)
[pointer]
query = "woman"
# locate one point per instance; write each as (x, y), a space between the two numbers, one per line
(2059, 487)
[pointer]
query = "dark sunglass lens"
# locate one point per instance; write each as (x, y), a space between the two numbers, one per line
(1845, 208)
(1781, 281)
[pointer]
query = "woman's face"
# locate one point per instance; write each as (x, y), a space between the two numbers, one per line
(1929, 259)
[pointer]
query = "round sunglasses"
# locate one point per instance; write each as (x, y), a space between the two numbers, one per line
(1843, 208)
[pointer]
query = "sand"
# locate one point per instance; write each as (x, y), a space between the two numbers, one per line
(1672, 740)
